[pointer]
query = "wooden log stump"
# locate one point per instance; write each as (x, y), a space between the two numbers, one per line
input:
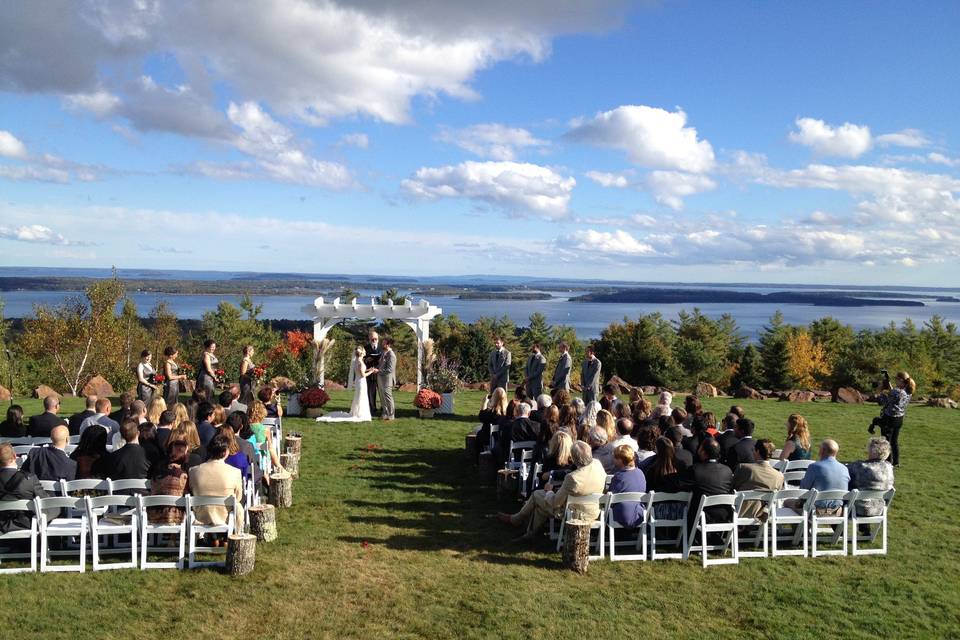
(281, 490)
(263, 522)
(507, 483)
(291, 462)
(471, 447)
(576, 545)
(488, 468)
(241, 554)
(292, 443)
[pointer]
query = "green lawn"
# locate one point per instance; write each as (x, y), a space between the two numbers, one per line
(390, 537)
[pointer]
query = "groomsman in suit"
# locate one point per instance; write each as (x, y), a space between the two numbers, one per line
(387, 378)
(533, 372)
(561, 375)
(370, 361)
(590, 377)
(499, 365)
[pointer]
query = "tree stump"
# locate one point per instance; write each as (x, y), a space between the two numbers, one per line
(291, 462)
(507, 482)
(576, 545)
(471, 447)
(281, 490)
(488, 468)
(291, 444)
(263, 522)
(241, 554)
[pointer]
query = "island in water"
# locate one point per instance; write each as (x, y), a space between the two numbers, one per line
(704, 296)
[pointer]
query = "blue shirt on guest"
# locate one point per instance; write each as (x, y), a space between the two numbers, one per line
(826, 475)
(628, 514)
(240, 461)
(206, 431)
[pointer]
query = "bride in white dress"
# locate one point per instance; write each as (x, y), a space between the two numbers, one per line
(360, 407)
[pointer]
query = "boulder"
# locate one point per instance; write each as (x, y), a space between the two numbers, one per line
(847, 395)
(649, 391)
(330, 385)
(705, 390)
(623, 387)
(409, 386)
(943, 403)
(476, 386)
(282, 384)
(43, 391)
(97, 386)
(821, 395)
(4, 393)
(797, 396)
(747, 392)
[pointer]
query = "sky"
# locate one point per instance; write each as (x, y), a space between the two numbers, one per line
(813, 142)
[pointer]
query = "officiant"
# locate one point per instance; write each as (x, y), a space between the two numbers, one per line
(372, 360)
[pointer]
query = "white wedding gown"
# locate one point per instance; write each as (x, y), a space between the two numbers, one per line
(360, 406)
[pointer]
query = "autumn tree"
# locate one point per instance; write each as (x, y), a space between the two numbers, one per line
(164, 330)
(806, 359)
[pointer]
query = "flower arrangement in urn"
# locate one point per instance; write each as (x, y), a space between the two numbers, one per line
(443, 377)
(312, 400)
(427, 401)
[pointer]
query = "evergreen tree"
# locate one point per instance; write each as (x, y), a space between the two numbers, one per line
(749, 369)
(773, 353)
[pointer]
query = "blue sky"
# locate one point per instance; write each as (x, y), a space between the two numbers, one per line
(698, 141)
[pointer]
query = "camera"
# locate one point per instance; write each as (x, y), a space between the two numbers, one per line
(884, 373)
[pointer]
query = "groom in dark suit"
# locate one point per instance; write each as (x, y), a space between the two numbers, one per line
(371, 360)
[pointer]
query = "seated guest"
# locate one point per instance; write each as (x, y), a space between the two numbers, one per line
(622, 410)
(549, 424)
(544, 401)
(679, 417)
(568, 420)
(197, 453)
(608, 423)
(268, 396)
(624, 429)
(588, 478)
(170, 479)
(183, 414)
(50, 462)
(13, 426)
(561, 397)
(737, 410)
(521, 429)
(196, 398)
(709, 424)
(91, 454)
(165, 427)
(681, 457)
(627, 479)
(827, 474)
(124, 412)
(156, 407)
(742, 451)
(699, 433)
(663, 407)
(797, 446)
(138, 411)
(77, 419)
(558, 462)
(43, 424)
(101, 419)
(640, 407)
(601, 449)
(708, 477)
(229, 399)
(589, 418)
(218, 479)
(579, 408)
(205, 428)
(646, 443)
(129, 462)
(728, 440)
(256, 413)
(239, 423)
(236, 457)
(662, 473)
(492, 413)
(873, 474)
(16, 485)
(148, 440)
(609, 400)
(757, 476)
(691, 404)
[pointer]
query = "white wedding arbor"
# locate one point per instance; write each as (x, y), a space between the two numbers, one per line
(326, 315)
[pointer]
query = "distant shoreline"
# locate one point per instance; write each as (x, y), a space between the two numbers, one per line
(702, 296)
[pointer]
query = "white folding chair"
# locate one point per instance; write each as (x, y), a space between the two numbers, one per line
(92, 487)
(53, 487)
(494, 437)
(598, 499)
(276, 434)
(129, 487)
(858, 521)
(792, 479)
(655, 524)
(156, 531)
(607, 481)
(22, 451)
(112, 516)
(834, 526)
(70, 448)
(761, 539)
(640, 543)
(30, 534)
(727, 527)
(73, 440)
(196, 528)
(779, 465)
(797, 465)
(53, 525)
(519, 460)
(788, 526)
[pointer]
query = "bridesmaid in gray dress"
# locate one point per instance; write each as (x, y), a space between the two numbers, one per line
(171, 371)
(206, 378)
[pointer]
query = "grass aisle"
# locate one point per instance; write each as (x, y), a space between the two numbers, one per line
(389, 537)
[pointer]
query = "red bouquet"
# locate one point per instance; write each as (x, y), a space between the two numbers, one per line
(159, 378)
(187, 370)
(427, 399)
(259, 372)
(313, 398)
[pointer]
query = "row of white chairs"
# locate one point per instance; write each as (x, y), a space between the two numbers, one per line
(786, 531)
(79, 521)
(29, 440)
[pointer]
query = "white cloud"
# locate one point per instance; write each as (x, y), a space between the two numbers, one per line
(11, 146)
(670, 187)
(606, 179)
(913, 138)
(278, 154)
(358, 140)
(100, 103)
(32, 233)
(847, 140)
(517, 188)
(491, 140)
(603, 243)
(939, 158)
(650, 136)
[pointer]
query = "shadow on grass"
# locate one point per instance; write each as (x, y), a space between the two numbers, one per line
(432, 500)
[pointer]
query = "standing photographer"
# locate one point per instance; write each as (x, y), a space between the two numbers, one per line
(893, 402)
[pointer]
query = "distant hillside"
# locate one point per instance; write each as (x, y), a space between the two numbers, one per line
(703, 296)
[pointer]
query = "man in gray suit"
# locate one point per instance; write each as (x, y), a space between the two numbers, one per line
(561, 375)
(533, 372)
(590, 377)
(499, 365)
(387, 378)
